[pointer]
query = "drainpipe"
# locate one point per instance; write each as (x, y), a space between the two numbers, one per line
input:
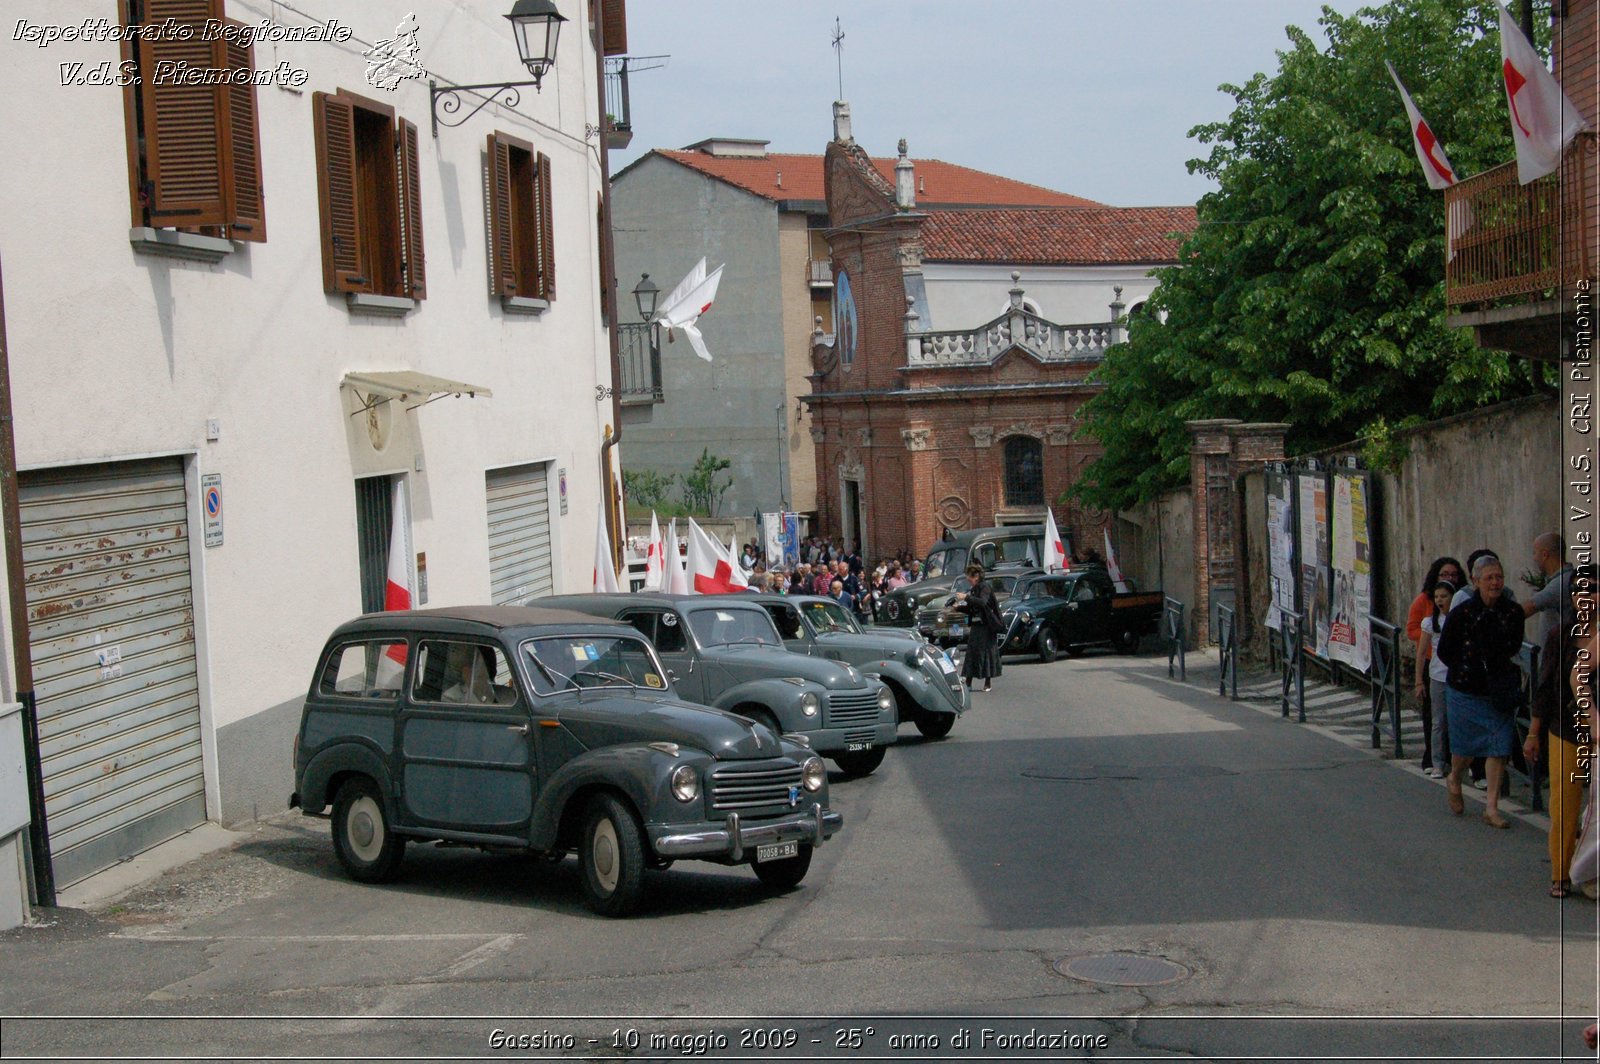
(44, 878)
(615, 527)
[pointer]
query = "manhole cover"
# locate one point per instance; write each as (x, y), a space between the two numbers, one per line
(1122, 969)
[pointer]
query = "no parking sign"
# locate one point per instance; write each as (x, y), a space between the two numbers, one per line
(211, 500)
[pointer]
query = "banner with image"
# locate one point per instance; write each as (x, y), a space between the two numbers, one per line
(1350, 630)
(1315, 576)
(1280, 547)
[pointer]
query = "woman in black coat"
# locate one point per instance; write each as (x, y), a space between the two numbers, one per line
(984, 629)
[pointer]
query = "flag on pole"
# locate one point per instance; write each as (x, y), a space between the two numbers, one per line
(1430, 153)
(1112, 569)
(397, 580)
(655, 569)
(711, 570)
(1055, 550)
(605, 569)
(677, 580)
(1543, 120)
(685, 304)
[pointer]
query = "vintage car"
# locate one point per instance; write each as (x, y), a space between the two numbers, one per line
(724, 651)
(927, 688)
(944, 626)
(1005, 548)
(1052, 613)
(543, 732)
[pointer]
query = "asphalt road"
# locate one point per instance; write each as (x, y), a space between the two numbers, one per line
(1322, 904)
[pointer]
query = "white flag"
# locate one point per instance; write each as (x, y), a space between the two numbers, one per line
(677, 579)
(1112, 569)
(1430, 153)
(1543, 120)
(1055, 550)
(605, 570)
(691, 298)
(655, 569)
(712, 571)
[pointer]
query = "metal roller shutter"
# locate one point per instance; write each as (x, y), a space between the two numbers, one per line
(111, 610)
(520, 565)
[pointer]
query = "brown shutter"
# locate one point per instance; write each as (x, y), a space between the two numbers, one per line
(547, 241)
(614, 24)
(336, 193)
(183, 124)
(247, 211)
(608, 278)
(502, 256)
(416, 266)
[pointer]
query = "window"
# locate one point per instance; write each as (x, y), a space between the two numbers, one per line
(371, 205)
(521, 242)
(365, 670)
(725, 627)
(787, 618)
(194, 151)
(662, 629)
(1024, 472)
(462, 674)
(573, 662)
(1084, 592)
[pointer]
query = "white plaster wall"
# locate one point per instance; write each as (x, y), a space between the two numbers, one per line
(963, 296)
(116, 354)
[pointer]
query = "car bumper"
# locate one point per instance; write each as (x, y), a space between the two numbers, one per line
(735, 840)
(835, 740)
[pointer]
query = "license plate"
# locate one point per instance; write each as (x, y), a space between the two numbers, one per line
(956, 631)
(947, 665)
(851, 748)
(777, 851)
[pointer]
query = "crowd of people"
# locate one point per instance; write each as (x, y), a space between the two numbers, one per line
(1469, 629)
(832, 569)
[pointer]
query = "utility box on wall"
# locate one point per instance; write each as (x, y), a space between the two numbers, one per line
(13, 819)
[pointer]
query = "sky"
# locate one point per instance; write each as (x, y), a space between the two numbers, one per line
(1091, 97)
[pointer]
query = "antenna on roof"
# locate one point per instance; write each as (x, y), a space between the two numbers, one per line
(838, 51)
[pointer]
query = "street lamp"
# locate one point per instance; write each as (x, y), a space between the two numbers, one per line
(536, 26)
(645, 294)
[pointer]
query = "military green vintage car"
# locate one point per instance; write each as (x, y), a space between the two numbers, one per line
(544, 732)
(725, 652)
(1007, 547)
(927, 688)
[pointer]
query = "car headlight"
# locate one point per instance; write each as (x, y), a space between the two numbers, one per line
(810, 704)
(685, 783)
(813, 774)
(885, 699)
(1024, 616)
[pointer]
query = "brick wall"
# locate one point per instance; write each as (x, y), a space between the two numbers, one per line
(1575, 29)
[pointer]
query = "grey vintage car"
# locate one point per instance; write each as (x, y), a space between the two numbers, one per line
(545, 732)
(927, 688)
(724, 651)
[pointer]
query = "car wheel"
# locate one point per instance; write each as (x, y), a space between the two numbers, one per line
(1127, 642)
(935, 725)
(1048, 647)
(858, 762)
(785, 874)
(362, 841)
(612, 857)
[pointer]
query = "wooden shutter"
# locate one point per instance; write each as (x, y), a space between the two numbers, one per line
(608, 278)
(415, 273)
(247, 212)
(342, 255)
(183, 124)
(614, 24)
(502, 254)
(547, 243)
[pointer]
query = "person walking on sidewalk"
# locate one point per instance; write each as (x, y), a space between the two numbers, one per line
(1431, 683)
(984, 629)
(1561, 725)
(1479, 647)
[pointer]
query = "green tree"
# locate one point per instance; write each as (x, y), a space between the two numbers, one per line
(703, 488)
(1312, 290)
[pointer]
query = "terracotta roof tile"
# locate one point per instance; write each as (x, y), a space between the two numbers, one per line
(1080, 235)
(939, 183)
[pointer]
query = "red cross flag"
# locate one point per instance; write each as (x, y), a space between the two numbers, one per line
(1055, 549)
(1543, 120)
(655, 569)
(605, 570)
(712, 571)
(397, 581)
(1430, 153)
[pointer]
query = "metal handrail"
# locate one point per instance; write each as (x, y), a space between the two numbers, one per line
(1385, 676)
(1228, 640)
(1172, 615)
(1292, 662)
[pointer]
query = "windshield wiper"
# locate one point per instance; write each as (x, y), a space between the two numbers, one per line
(609, 676)
(550, 674)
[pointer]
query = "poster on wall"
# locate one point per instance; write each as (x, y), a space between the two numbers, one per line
(1280, 546)
(1350, 630)
(1316, 579)
(846, 324)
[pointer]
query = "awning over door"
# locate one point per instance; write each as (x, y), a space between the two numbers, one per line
(411, 388)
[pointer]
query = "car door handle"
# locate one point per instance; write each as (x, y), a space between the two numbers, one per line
(520, 729)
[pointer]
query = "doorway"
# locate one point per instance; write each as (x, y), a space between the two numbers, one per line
(854, 521)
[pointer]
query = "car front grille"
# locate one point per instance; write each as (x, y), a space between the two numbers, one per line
(861, 735)
(848, 708)
(736, 787)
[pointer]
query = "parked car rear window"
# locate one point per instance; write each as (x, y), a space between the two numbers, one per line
(718, 626)
(1008, 551)
(568, 663)
(944, 563)
(365, 670)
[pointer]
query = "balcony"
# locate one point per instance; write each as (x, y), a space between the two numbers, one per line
(618, 116)
(1046, 341)
(820, 274)
(639, 361)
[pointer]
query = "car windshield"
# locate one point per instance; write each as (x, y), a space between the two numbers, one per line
(720, 626)
(1002, 585)
(827, 617)
(944, 563)
(567, 663)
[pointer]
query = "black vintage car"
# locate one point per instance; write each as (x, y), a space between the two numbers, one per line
(1007, 548)
(1053, 613)
(545, 732)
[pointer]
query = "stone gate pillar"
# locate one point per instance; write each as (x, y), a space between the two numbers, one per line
(1211, 489)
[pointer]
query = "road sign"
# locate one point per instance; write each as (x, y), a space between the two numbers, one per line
(211, 499)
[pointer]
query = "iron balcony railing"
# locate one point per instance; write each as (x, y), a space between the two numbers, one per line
(639, 359)
(618, 116)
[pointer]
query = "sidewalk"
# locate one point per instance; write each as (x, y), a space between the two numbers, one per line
(1344, 713)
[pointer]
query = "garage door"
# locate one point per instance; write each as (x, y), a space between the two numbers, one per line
(106, 553)
(519, 533)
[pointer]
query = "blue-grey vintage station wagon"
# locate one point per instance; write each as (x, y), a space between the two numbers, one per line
(544, 731)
